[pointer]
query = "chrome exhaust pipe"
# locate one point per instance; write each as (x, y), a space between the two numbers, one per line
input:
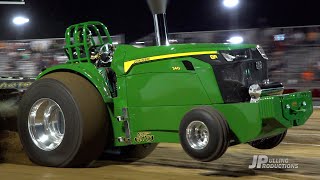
(158, 9)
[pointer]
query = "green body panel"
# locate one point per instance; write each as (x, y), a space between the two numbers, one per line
(119, 102)
(157, 94)
(132, 53)
(136, 53)
(208, 81)
(194, 87)
(248, 121)
(266, 118)
(87, 70)
(165, 89)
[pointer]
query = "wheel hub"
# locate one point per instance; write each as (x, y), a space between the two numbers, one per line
(197, 135)
(46, 124)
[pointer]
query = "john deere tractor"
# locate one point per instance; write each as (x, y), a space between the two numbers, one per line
(120, 101)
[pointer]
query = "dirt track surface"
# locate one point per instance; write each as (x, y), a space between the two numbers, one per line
(168, 161)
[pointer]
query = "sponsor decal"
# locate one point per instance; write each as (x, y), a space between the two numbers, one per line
(144, 137)
(15, 85)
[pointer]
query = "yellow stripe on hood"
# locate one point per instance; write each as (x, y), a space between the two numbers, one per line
(129, 64)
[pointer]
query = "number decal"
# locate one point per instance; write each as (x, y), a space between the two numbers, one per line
(176, 68)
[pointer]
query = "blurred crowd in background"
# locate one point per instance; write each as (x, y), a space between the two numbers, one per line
(27, 58)
(294, 52)
(294, 56)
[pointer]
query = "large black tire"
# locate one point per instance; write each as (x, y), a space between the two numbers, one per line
(218, 133)
(268, 143)
(86, 120)
(129, 153)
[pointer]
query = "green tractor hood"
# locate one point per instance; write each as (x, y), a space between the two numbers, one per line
(126, 56)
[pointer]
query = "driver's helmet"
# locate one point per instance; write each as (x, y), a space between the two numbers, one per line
(89, 38)
(81, 36)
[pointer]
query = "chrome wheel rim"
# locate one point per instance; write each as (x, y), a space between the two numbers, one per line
(197, 135)
(46, 124)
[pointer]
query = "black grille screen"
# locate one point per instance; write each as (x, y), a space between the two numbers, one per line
(235, 77)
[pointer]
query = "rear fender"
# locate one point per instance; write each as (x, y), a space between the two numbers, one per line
(86, 70)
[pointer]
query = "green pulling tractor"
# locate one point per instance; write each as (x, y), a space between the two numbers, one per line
(120, 101)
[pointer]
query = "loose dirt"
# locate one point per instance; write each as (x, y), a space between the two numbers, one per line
(168, 161)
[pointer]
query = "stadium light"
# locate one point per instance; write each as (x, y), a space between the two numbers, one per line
(20, 20)
(235, 40)
(230, 3)
(13, 2)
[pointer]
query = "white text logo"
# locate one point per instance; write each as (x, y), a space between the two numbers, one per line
(264, 162)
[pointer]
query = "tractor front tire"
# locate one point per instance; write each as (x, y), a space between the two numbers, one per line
(204, 134)
(268, 143)
(63, 121)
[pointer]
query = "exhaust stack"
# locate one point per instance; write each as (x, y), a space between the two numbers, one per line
(158, 9)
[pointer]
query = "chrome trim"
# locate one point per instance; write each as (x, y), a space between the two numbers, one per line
(255, 92)
(262, 52)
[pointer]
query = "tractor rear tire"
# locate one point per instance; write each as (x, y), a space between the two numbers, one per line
(204, 134)
(268, 143)
(83, 113)
(129, 153)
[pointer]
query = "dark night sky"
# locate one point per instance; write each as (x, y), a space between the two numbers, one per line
(50, 18)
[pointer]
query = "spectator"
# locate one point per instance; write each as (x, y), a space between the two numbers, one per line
(312, 36)
(308, 75)
(298, 36)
